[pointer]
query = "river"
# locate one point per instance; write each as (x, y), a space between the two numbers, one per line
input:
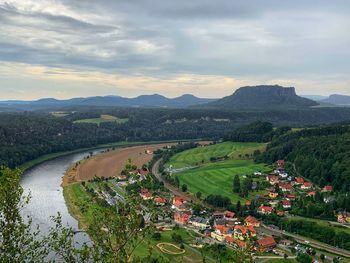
(43, 182)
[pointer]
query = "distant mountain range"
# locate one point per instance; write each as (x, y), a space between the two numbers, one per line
(341, 100)
(261, 98)
(140, 101)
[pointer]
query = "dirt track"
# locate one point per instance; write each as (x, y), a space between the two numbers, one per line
(110, 164)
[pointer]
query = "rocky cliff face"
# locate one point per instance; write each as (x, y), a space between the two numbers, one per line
(264, 97)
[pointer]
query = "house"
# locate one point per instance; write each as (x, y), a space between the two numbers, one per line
(236, 242)
(218, 215)
(280, 163)
(160, 201)
(273, 194)
(228, 215)
(344, 217)
(181, 218)
(280, 213)
(240, 244)
(251, 221)
(299, 180)
(200, 222)
(252, 231)
(273, 179)
(218, 236)
(290, 197)
(327, 188)
(240, 232)
(221, 232)
(306, 186)
(266, 210)
(266, 244)
(145, 194)
(286, 204)
(285, 187)
(311, 194)
(178, 202)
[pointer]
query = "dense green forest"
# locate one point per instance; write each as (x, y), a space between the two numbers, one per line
(319, 154)
(25, 136)
(255, 132)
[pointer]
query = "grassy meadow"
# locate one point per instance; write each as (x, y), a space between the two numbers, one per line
(234, 150)
(103, 118)
(217, 177)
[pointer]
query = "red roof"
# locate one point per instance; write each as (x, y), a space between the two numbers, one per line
(272, 178)
(285, 186)
(251, 220)
(308, 184)
(286, 203)
(222, 229)
(264, 208)
(241, 228)
(251, 229)
(147, 195)
(144, 191)
(299, 180)
(268, 241)
(313, 193)
(240, 243)
(229, 239)
(229, 214)
(160, 200)
(280, 162)
(178, 201)
(328, 188)
(290, 196)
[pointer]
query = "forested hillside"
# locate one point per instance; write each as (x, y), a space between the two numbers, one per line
(320, 154)
(25, 136)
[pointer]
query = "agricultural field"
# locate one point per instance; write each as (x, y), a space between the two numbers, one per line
(103, 118)
(196, 156)
(217, 178)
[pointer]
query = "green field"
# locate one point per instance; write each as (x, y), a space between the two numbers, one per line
(103, 118)
(59, 114)
(217, 178)
(234, 150)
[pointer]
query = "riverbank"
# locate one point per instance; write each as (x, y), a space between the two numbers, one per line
(111, 163)
(51, 156)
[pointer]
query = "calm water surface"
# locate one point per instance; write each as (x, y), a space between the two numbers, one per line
(43, 182)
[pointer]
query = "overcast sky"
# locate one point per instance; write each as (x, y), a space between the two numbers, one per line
(70, 48)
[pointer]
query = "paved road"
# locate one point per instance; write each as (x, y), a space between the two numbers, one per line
(312, 243)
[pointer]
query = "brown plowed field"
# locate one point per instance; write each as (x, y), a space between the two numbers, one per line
(110, 164)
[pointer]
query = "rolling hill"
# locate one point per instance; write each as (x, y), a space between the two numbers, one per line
(154, 100)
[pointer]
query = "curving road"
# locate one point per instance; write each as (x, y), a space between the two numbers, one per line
(312, 243)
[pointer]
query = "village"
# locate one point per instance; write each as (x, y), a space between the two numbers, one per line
(215, 226)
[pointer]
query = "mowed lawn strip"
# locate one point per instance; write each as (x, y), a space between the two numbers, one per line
(217, 178)
(203, 154)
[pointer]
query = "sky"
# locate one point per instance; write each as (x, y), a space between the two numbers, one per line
(75, 48)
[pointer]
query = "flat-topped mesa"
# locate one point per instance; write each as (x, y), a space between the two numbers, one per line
(263, 97)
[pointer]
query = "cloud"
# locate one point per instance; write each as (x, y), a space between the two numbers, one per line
(253, 41)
